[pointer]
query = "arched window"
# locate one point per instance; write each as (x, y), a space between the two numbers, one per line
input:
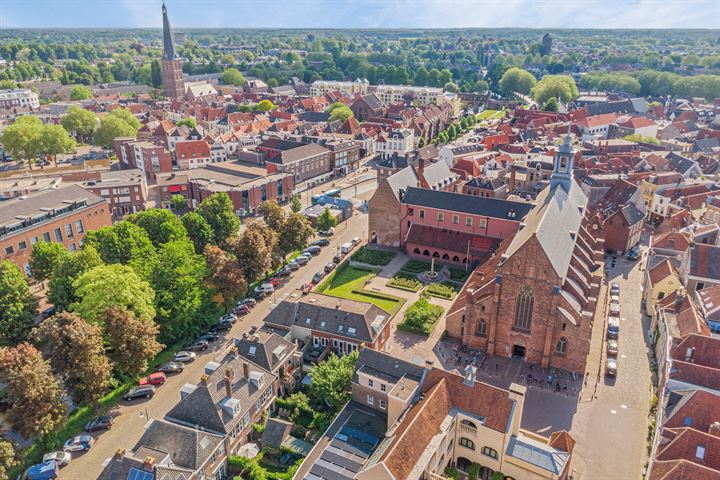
(468, 423)
(523, 309)
(436, 255)
(446, 256)
(467, 443)
(490, 452)
(426, 253)
(416, 251)
(561, 346)
(456, 258)
(482, 328)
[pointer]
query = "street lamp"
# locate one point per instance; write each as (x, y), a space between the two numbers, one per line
(146, 414)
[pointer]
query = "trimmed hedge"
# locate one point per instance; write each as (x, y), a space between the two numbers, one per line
(421, 317)
(372, 256)
(459, 274)
(443, 290)
(416, 266)
(405, 281)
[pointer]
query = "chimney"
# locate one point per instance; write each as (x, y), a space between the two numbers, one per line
(204, 379)
(511, 186)
(229, 374)
(421, 165)
(715, 429)
(246, 370)
(119, 453)
(148, 463)
(429, 364)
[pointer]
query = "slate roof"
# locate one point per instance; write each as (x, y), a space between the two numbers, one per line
(679, 163)
(299, 153)
(394, 161)
(387, 365)
(266, 349)
(335, 316)
(705, 261)
(187, 447)
(438, 175)
(275, 432)
(632, 214)
(203, 406)
(459, 202)
(402, 180)
(557, 213)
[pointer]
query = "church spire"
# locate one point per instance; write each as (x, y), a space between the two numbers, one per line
(563, 165)
(169, 52)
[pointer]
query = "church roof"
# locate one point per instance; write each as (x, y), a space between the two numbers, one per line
(555, 221)
(169, 52)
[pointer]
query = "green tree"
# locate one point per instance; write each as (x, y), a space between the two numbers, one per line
(178, 202)
(22, 139)
(133, 342)
(44, 257)
(551, 105)
(232, 76)
(80, 122)
(254, 250)
(295, 204)
(8, 460)
(125, 243)
(273, 214)
(76, 351)
(33, 391)
(54, 139)
(127, 116)
(156, 77)
(225, 275)
(198, 229)
(339, 111)
(161, 225)
(187, 121)
(18, 306)
(80, 93)
(108, 286)
(331, 380)
(295, 234)
(636, 137)
(177, 279)
(265, 106)
(111, 128)
(219, 212)
(555, 86)
(61, 289)
(143, 75)
(517, 80)
(326, 220)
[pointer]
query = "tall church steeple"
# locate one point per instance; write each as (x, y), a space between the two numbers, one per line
(562, 174)
(171, 62)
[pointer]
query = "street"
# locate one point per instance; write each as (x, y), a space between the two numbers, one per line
(130, 418)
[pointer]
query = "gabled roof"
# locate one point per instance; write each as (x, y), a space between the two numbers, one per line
(299, 153)
(459, 202)
(400, 181)
(705, 261)
(187, 447)
(660, 272)
(386, 365)
(698, 409)
(268, 350)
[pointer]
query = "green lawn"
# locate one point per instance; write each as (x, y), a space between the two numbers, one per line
(349, 282)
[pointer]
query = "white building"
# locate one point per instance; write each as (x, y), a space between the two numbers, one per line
(20, 97)
(394, 94)
(397, 142)
(321, 87)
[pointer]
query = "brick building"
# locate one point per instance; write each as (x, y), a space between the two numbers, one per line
(171, 62)
(192, 154)
(384, 207)
(305, 162)
(536, 297)
(149, 157)
(124, 190)
(62, 216)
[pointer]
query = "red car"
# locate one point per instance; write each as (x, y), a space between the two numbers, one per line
(306, 288)
(275, 282)
(154, 379)
(241, 310)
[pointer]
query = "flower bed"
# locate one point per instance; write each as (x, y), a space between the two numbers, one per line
(373, 257)
(405, 281)
(443, 290)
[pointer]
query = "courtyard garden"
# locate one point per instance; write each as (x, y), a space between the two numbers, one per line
(372, 256)
(349, 282)
(421, 317)
(443, 290)
(405, 281)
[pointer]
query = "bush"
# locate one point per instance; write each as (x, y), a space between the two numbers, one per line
(421, 317)
(459, 274)
(373, 257)
(405, 281)
(443, 290)
(416, 266)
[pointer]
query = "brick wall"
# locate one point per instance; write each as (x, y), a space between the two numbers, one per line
(384, 217)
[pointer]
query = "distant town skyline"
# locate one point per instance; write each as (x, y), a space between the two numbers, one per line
(626, 14)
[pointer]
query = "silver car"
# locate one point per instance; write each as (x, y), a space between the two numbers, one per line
(61, 458)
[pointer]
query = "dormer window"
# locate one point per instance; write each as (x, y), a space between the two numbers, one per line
(341, 328)
(351, 330)
(252, 350)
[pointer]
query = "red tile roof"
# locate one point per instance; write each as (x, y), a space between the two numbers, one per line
(192, 149)
(685, 447)
(660, 272)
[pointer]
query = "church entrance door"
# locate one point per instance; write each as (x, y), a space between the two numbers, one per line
(518, 351)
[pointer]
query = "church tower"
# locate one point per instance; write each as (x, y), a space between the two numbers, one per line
(171, 62)
(562, 174)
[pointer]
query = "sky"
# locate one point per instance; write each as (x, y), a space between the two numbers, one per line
(363, 13)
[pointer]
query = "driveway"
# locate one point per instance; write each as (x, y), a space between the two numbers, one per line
(131, 417)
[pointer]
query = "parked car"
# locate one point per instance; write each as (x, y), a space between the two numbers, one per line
(312, 250)
(318, 276)
(611, 366)
(209, 336)
(302, 259)
(615, 299)
(197, 346)
(612, 348)
(228, 318)
(633, 254)
(157, 379)
(346, 247)
(356, 241)
(615, 289)
(99, 423)
(327, 233)
(171, 367)
(275, 282)
(265, 288)
(221, 327)
(613, 330)
(142, 391)
(61, 458)
(330, 267)
(184, 357)
(250, 302)
(241, 309)
(321, 242)
(615, 309)
(81, 443)
(305, 288)
(293, 265)
(284, 272)
(41, 471)
(48, 312)
(337, 258)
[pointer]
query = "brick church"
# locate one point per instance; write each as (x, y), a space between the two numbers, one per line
(536, 296)
(171, 61)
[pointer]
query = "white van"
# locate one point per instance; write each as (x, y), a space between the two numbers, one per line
(346, 247)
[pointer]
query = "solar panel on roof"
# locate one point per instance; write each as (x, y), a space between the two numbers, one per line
(135, 474)
(358, 435)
